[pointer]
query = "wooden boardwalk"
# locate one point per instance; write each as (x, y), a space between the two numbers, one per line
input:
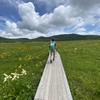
(53, 84)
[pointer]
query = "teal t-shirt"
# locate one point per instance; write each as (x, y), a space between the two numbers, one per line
(52, 46)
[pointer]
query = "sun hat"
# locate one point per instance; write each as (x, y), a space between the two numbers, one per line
(53, 39)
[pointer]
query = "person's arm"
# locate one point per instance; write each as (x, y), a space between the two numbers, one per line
(49, 45)
(55, 46)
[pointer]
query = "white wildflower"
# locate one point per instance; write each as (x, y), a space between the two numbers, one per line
(15, 75)
(6, 77)
(75, 48)
(23, 72)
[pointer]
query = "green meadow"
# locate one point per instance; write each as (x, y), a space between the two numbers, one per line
(81, 60)
(22, 65)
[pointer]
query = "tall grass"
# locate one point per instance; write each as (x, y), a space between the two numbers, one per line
(81, 60)
(16, 57)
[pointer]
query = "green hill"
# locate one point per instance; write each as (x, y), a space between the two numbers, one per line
(6, 40)
(65, 37)
(68, 37)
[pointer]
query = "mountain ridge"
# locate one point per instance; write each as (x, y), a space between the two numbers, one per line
(64, 37)
(69, 37)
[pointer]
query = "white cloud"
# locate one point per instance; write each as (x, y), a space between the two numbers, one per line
(80, 23)
(34, 35)
(88, 33)
(13, 3)
(75, 14)
(32, 21)
(56, 31)
(85, 5)
(50, 4)
(98, 21)
(81, 30)
(4, 34)
(12, 31)
(97, 12)
(4, 19)
(12, 28)
(61, 17)
(89, 19)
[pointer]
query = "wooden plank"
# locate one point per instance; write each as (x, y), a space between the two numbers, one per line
(67, 93)
(43, 85)
(53, 84)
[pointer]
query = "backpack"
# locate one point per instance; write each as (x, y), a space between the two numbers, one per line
(52, 46)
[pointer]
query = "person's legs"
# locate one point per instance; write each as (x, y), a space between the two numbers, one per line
(51, 56)
(54, 55)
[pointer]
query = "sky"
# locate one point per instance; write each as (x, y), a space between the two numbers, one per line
(34, 18)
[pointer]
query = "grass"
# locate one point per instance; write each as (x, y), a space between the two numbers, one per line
(81, 60)
(17, 56)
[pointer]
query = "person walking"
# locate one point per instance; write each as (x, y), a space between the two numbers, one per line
(52, 47)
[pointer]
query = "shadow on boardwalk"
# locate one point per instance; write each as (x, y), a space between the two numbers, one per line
(53, 84)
